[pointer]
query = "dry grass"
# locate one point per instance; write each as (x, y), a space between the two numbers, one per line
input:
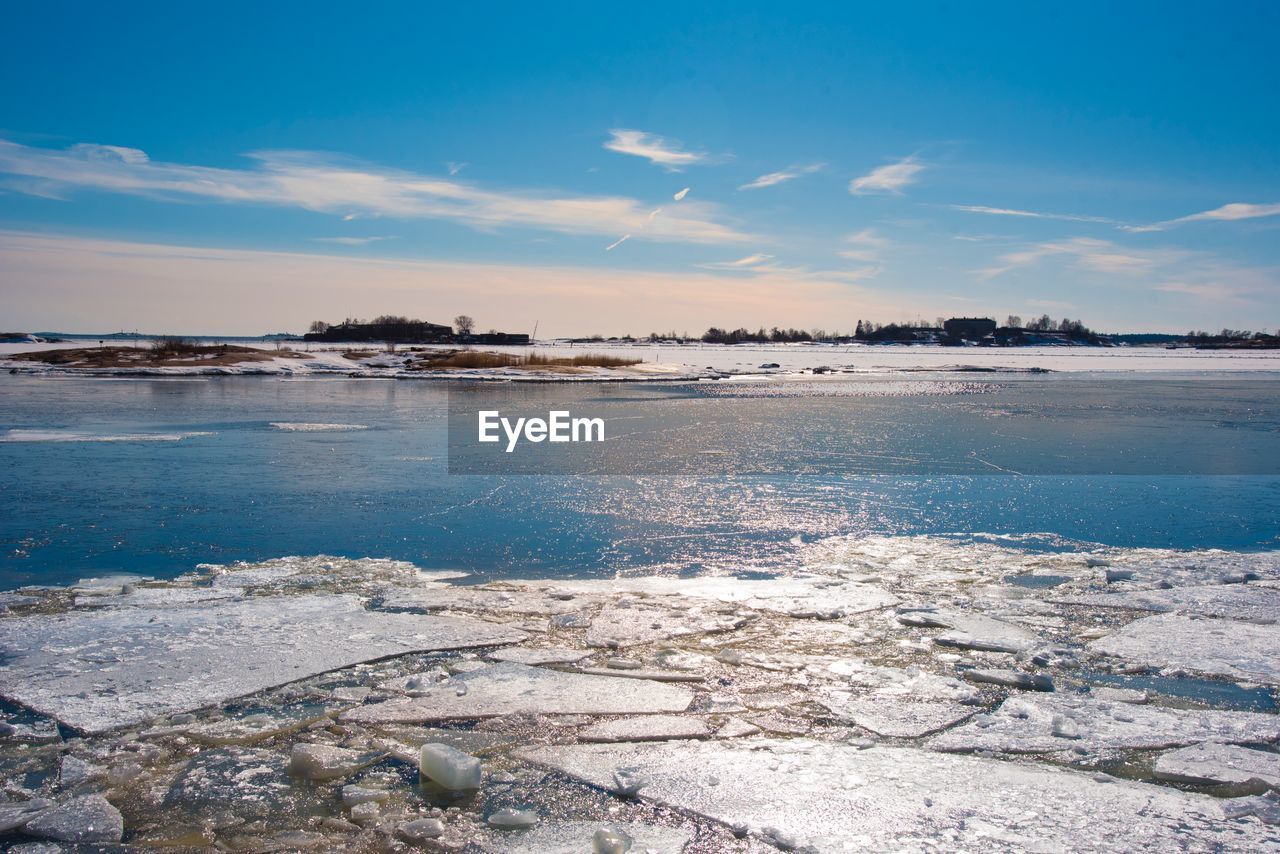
(162, 354)
(482, 359)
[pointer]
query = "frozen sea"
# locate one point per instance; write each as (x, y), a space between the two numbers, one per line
(154, 476)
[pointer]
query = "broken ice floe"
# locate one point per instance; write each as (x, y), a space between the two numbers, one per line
(646, 728)
(536, 656)
(509, 688)
(579, 837)
(800, 596)
(97, 670)
(1218, 763)
(1042, 723)
(823, 796)
(1241, 602)
(1231, 648)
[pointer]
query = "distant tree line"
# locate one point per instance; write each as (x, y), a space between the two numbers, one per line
(716, 335)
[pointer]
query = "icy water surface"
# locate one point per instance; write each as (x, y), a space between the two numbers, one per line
(154, 476)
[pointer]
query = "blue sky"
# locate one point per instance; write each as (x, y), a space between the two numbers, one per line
(247, 168)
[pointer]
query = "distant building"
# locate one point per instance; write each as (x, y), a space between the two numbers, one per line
(519, 339)
(969, 328)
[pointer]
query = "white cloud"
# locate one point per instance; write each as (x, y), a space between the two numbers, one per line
(680, 194)
(615, 244)
(655, 149)
(1173, 271)
(350, 189)
(788, 174)
(351, 241)
(1227, 213)
(983, 209)
(887, 179)
(867, 245)
(455, 166)
(750, 262)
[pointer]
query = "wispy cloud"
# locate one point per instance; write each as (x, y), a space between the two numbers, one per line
(680, 194)
(887, 179)
(661, 152)
(1227, 213)
(351, 241)
(788, 174)
(455, 166)
(615, 244)
(347, 188)
(1167, 270)
(1087, 253)
(866, 245)
(983, 209)
(754, 261)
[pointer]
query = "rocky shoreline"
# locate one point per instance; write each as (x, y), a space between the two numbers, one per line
(1084, 700)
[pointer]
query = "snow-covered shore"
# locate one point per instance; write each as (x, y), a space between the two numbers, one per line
(690, 362)
(903, 693)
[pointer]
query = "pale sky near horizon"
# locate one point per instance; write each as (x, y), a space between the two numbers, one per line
(247, 169)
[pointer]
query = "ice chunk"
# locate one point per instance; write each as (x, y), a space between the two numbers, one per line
(1040, 723)
(646, 728)
(508, 688)
(1241, 602)
(894, 717)
(644, 673)
(324, 762)
(737, 728)
(86, 820)
(797, 596)
(1218, 763)
(534, 657)
(642, 623)
(15, 815)
(74, 771)
(420, 830)
(988, 634)
(908, 799)
(1111, 694)
(169, 660)
(1230, 648)
(356, 795)
(512, 818)
(449, 767)
(1010, 679)
(579, 837)
(366, 813)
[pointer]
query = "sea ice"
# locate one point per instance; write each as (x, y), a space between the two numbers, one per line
(90, 819)
(509, 688)
(579, 837)
(512, 819)
(641, 622)
(834, 797)
(536, 656)
(1218, 763)
(449, 767)
(1041, 723)
(980, 632)
(324, 762)
(1237, 601)
(801, 596)
(1231, 648)
(894, 717)
(646, 728)
(1010, 679)
(107, 668)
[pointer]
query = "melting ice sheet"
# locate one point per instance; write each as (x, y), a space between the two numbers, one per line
(107, 668)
